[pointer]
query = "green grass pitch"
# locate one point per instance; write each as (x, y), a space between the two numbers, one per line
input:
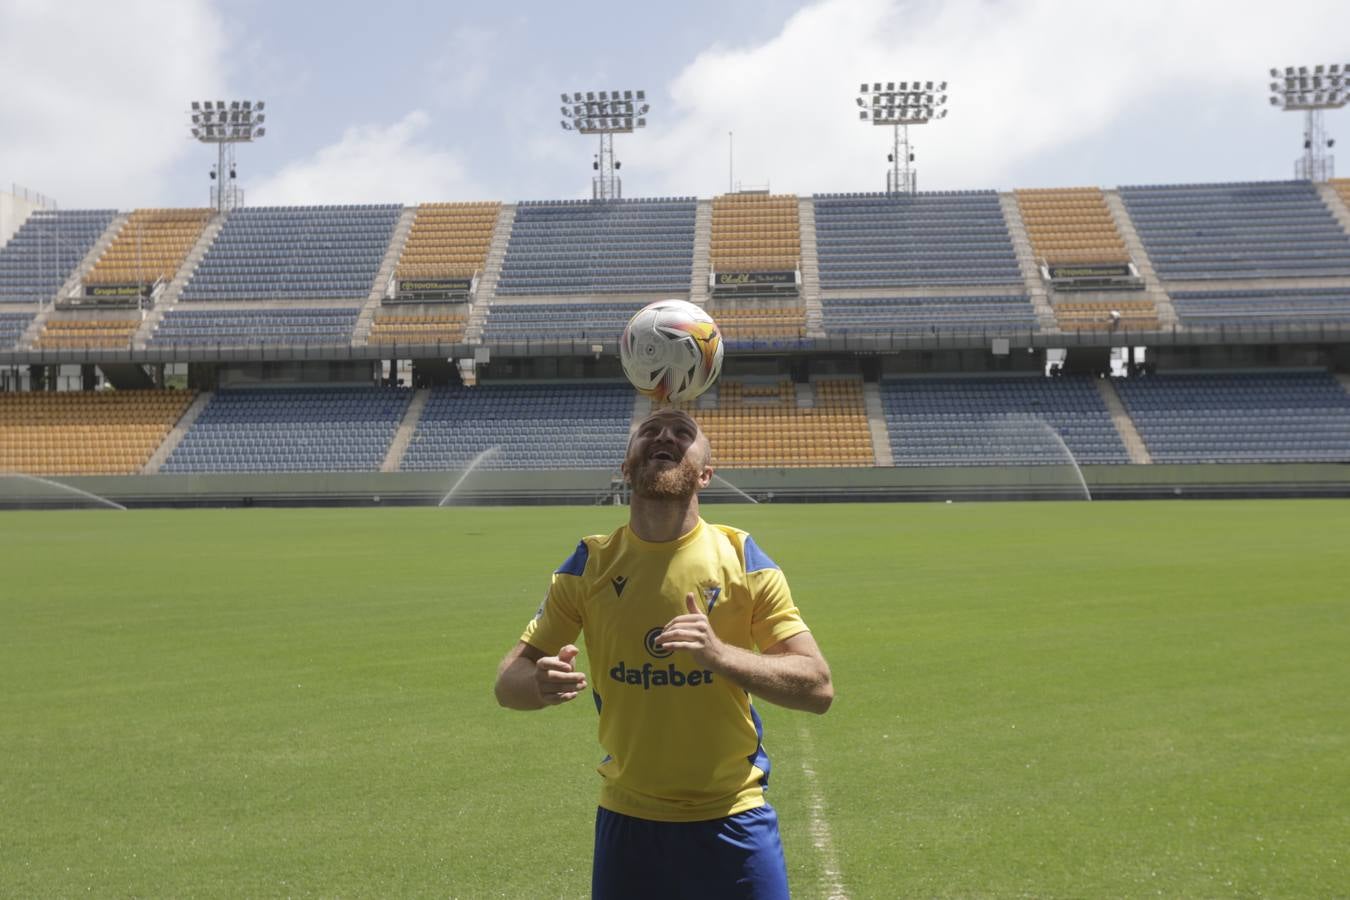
(1033, 700)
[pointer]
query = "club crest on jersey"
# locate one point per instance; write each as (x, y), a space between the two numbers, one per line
(710, 590)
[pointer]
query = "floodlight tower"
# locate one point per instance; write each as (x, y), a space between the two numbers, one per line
(901, 105)
(605, 113)
(1298, 90)
(215, 122)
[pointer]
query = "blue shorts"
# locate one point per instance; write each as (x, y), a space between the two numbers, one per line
(736, 857)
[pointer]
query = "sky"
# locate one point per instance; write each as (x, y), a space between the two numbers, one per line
(400, 101)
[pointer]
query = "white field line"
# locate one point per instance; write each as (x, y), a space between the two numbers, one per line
(832, 879)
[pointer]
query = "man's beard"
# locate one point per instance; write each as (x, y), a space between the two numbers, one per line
(677, 482)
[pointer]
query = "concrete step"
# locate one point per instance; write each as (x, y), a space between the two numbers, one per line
(169, 298)
(806, 395)
(1026, 263)
(810, 268)
(1153, 288)
(180, 430)
(492, 273)
(378, 291)
(406, 428)
(74, 282)
(1129, 435)
(1335, 204)
(698, 275)
(876, 424)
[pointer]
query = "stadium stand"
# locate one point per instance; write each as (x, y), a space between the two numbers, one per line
(65, 333)
(911, 315)
(85, 433)
(755, 233)
(894, 240)
(557, 321)
(532, 426)
(448, 240)
(983, 421)
(295, 253)
(243, 327)
(597, 247)
(739, 322)
(151, 245)
(1069, 226)
(425, 326)
(1096, 315)
(1244, 230)
(758, 425)
(320, 429)
(1342, 188)
(1240, 417)
(46, 249)
(12, 327)
(1308, 306)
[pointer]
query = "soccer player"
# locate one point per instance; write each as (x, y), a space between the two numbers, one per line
(672, 609)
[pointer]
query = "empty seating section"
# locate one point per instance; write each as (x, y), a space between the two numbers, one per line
(448, 240)
(978, 421)
(894, 240)
(320, 429)
(240, 327)
(1255, 230)
(1240, 417)
(759, 425)
(1095, 315)
(557, 321)
(528, 426)
(85, 433)
(151, 245)
(12, 327)
(444, 326)
(58, 333)
(755, 233)
(1070, 226)
(748, 322)
(926, 315)
(295, 253)
(46, 249)
(1262, 307)
(600, 246)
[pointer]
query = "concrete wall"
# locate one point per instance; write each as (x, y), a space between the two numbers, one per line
(780, 485)
(14, 211)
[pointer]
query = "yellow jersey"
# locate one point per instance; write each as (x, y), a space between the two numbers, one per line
(684, 744)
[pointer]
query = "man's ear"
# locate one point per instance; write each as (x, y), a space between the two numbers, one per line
(705, 476)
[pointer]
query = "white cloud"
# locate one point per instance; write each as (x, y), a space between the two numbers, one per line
(95, 95)
(371, 164)
(1027, 77)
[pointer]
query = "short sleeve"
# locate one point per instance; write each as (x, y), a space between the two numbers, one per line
(558, 620)
(774, 617)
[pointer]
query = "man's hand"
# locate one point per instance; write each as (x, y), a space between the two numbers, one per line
(693, 632)
(555, 678)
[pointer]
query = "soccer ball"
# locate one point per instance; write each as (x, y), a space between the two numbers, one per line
(671, 350)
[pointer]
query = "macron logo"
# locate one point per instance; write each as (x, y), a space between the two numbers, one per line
(620, 582)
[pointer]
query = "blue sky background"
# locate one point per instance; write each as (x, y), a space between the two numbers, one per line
(406, 101)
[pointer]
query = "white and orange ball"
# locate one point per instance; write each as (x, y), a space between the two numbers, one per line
(671, 351)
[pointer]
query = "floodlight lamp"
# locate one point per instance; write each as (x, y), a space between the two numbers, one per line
(590, 96)
(627, 123)
(196, 118)
(258, 105)
(876, 85)
(1303, 70)
(1275, 86)
(234, 104)
(628, 95)
(565, 111)
(928, 85)
(566, 99)
(862, 114)
(642, 95)
(604, 95)
(196, 132)
(644, 109)
(642, 123)
(259, 119)
(862, 88)
(260, 132)
(196, 105)
(248, 104)
(220, 104)
(566, 125)
(890, 85)
(1318, 70)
